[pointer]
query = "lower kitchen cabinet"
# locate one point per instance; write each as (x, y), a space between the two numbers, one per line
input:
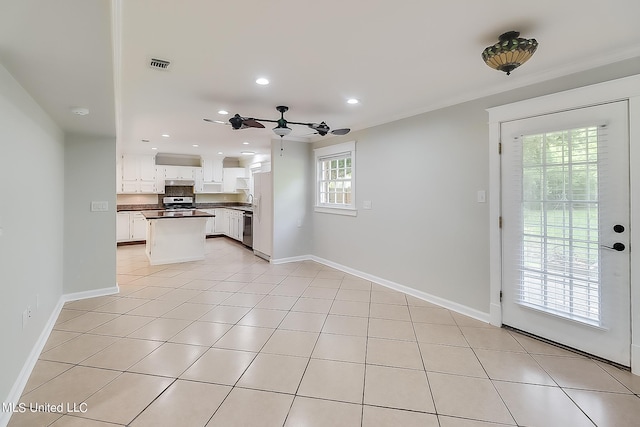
(131, 227)
(221, 225)
(123, 227)
(212, 222)
(229, 222)
(236, 224)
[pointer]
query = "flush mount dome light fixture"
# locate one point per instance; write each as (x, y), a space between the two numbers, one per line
(510, 52)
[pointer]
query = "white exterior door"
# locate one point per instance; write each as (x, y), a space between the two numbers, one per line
(565, 237)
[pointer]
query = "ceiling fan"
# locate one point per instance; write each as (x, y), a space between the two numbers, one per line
(239, 122)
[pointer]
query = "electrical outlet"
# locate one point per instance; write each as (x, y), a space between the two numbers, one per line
(29, 312)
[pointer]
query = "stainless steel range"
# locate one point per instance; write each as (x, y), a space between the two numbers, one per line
(178, 203)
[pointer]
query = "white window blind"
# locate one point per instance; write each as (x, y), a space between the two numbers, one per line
(559, 255)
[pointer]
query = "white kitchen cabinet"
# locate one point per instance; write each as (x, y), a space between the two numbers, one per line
(130, 227)
(198, 181)
(236, 224)
(123, 223)
(212, 170)
(137, 174)
(160, 179)
(225, 227)
(231, 181)
(179, 172)
(138, 226)
(209, 178)
(212, 222)
(222, 224)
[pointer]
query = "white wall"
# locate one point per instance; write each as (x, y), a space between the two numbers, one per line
(89, 240)
(31, 224)
(292, 203)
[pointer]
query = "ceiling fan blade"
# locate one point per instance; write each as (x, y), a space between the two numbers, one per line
(219, 122)
(252, 123)
(343, 131)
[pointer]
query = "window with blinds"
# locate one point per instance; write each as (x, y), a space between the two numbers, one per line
(559, 259)
(335, 183)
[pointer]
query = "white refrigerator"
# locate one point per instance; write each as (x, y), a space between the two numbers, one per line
(263, 215)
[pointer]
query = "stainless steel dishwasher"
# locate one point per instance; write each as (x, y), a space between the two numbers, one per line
(247, 231)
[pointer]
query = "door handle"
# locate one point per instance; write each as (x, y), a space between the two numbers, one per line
(616, 247)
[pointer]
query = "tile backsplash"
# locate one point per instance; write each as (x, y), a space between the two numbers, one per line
(176, 191)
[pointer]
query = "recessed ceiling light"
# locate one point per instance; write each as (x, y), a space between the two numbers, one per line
(352, 101)
(245, 143)
(223, 112)
(166, 135)
(154, 148)
(219, 152)
(195, 145)
(262, 81)
(247, 153)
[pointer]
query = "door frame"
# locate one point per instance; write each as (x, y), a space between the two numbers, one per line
(627, 88)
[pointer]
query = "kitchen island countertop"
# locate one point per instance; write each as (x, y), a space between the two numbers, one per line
(191, 213)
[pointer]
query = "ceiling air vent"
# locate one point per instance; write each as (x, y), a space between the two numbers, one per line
(159, 64)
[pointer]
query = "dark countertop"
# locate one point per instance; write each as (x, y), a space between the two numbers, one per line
(148, 207)
(161, 214)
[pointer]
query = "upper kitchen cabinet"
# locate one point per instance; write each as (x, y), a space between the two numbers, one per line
(212, 170)
(137, 174)
(209, 180)
(179, 172)
(235, 180)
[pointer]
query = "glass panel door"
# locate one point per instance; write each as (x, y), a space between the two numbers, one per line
(565, 179)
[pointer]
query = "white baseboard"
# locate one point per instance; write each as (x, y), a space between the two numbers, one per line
(30, 362)
(291, 259)
(91, 294)
(635, 359)
(454, 306)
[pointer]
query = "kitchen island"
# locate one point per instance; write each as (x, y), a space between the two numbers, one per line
(175, 236)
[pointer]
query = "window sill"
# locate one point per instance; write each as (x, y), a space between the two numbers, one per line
(336, 211)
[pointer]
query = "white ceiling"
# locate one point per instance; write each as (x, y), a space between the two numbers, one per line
(398, 58)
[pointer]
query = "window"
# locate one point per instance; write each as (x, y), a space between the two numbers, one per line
(335, 178)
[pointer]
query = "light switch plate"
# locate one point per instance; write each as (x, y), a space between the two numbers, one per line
(482, 196)
(100, 206)
(366, 204)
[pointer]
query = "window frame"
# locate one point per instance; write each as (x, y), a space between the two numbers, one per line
(348, 149)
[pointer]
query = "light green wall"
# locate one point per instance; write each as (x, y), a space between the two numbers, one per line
(89, 240)
(425, 229)
(31, 223)
(292, 206)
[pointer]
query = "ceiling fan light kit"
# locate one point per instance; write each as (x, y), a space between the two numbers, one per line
(510, 52)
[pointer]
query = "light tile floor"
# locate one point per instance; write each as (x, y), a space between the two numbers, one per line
(235, 341)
